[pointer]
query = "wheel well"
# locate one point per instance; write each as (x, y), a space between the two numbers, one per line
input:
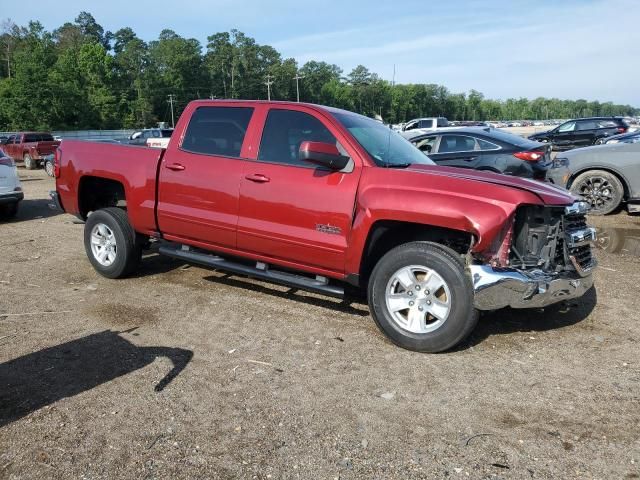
(388, 234)
(604, 169)
(96, 192)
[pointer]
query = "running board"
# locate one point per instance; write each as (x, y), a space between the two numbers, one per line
(260, 271)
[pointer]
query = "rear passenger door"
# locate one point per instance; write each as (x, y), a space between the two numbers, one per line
(291, 210)
(199, 178)
(456, 150)
(585, 133)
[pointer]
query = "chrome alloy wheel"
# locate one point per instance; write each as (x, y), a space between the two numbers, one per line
(103, 244)
(418, 299)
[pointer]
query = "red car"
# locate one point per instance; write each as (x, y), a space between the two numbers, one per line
(30, 148)
(330, 201)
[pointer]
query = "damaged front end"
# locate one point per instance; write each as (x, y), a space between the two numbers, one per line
(544, 257)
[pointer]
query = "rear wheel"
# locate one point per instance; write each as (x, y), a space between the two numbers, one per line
(48, 167)
(113, 247)
(603, 190)
(421, 297)
(29, 163)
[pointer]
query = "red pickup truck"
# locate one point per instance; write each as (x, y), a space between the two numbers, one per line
(330, 201)
(30, 148)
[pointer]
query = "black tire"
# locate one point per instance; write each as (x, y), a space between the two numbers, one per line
(603, 190)
(8, 210)
(462, 317)
(128, 243)
(48, 167)
(29, 163)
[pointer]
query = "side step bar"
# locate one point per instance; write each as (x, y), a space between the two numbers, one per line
(260, 271)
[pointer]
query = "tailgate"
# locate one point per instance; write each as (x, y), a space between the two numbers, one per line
(45, 148)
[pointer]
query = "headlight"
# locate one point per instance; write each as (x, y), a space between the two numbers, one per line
(560, 162)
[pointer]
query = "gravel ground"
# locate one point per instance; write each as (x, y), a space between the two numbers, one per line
(182, 372)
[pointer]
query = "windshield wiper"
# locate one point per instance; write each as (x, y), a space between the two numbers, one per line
(396, 165)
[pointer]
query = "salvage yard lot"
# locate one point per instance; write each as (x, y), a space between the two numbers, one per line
(185, 372)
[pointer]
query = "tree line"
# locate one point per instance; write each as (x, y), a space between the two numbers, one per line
(80, 76)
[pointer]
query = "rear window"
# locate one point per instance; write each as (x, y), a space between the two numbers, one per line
(38, 137)
(166, 132)
(217, 130)
(443, 122)
(509, 138)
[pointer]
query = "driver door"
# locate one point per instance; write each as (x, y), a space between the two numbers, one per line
(291, 210)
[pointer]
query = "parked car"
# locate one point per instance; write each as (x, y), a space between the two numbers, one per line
(629, 137)
(10, 190)
(581, 132)
(140, 137)
(326, 200)
(486, 149)
(604, 175)
(30, 148)
(423, 125)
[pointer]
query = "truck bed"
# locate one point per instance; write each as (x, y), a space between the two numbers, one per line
(135, 167)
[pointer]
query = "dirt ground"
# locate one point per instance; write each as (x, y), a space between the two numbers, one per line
(182, 372)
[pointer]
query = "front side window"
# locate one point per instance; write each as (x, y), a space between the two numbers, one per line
(411, 126)
(456, 143)
(426, 144)
(567, 127)
(284, 132)
(217, 130)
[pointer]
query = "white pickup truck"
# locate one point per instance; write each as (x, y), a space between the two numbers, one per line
(417, 125)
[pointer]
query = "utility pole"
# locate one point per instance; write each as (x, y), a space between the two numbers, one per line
(268, 83)
(297, 78)
(171, 95)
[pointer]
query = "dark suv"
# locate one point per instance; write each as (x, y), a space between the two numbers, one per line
(582, 132)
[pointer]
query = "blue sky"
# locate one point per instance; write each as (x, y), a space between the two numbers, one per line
(568, 49)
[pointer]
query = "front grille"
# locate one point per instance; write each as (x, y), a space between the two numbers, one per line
(582, 254)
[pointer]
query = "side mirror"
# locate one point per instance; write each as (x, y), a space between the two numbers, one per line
(323, 154)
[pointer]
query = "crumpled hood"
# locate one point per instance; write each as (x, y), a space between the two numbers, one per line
(548, 193)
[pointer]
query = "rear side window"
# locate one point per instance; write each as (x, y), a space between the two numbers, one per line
(607, 124)
(426, 123)
(38, 137)
(485, 145)
(456, 143)
(587, 125)
(284, 132)
(217, 130)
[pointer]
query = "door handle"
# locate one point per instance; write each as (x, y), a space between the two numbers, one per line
(176, 167)
(258, 178)
(469, 159)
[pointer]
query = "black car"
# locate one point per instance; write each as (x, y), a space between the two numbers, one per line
(582, 132)
(486, 149)
(629, 137)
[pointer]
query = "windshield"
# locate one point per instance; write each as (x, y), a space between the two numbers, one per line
(386, 147)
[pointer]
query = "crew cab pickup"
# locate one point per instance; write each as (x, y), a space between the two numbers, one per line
(30, 147)
(332, 202)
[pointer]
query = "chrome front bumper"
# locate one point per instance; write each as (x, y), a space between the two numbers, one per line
(497, 288)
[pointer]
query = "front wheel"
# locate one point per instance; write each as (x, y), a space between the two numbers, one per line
(111, 244)
(421, 297)
(603, 190)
